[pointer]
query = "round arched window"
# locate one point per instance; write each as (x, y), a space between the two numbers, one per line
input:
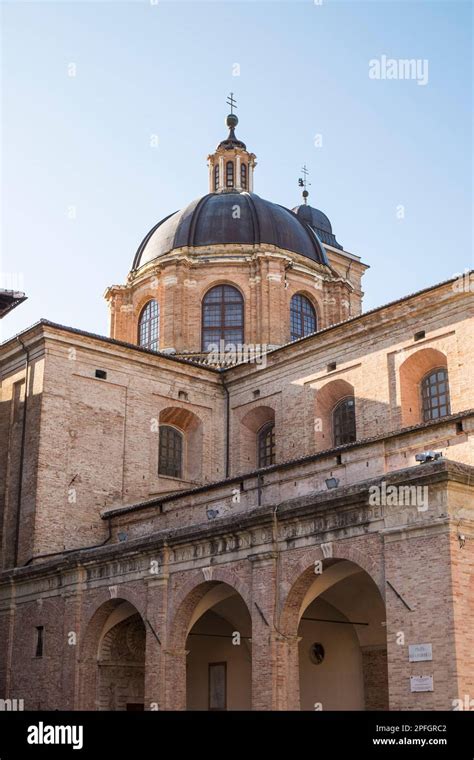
(222, 317)
(302, 317)
(149, 326)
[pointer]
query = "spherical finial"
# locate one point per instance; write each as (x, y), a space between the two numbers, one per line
(232, 121)
(305, 193)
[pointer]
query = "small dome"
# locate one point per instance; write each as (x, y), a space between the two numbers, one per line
(212, 220)
(319, 222)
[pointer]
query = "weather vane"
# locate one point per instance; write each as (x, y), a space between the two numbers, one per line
(303, 182)
(231, 102)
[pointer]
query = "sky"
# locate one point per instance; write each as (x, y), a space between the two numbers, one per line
(109, 110)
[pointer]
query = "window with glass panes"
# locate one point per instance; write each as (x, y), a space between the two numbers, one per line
(230, 174)
(149, 326)
(216, 177)
(343, 421)
(266, 445)
(435, 394)
(302, 317)
(170, 457)
(243, 176)
(222, 317)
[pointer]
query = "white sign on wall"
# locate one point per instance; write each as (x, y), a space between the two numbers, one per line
(420, 652)
(421, 683)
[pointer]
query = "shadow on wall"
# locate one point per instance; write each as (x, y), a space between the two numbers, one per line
(112, 659)
(413, 371)
(335, 415)
(338, 617)
(18, 471)
(180, 456)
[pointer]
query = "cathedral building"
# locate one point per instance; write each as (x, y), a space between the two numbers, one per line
(252, 494)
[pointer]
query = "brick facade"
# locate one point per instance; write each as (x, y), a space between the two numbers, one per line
(147, 578)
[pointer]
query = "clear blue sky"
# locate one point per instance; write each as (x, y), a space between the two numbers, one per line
(166, 69)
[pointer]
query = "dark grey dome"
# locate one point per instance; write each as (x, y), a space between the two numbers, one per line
(212, 220)
(319, 222)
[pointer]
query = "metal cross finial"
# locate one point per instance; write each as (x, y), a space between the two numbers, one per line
(303, 182)
(231, 102)
(305, 174)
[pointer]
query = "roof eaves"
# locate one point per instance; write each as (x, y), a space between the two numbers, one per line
(111, 341)
(351, 320)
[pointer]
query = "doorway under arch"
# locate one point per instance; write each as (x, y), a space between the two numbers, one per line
(113, 668)
(339, 618)
(219, 651)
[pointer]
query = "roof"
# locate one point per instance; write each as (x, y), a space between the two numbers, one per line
(370, 312)
(9, 299)
(111, 341)
(319, 222)
(231, 217)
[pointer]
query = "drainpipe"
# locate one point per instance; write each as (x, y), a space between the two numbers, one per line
(227, 426)
(22, 451)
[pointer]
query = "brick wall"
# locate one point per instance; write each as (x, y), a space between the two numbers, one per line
(267, 279)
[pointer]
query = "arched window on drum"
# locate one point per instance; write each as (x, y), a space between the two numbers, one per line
(149, 326)
(302, 317)
(222, 317)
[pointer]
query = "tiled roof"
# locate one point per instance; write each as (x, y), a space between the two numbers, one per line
(9, 299)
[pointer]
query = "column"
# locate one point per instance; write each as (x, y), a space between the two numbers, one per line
(264, 649)
(155, 623)
(71, 645)
(288, 680)
(237, 173)
(175, 679)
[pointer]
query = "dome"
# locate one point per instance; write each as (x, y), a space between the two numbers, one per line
(319, 222)
(212, 220)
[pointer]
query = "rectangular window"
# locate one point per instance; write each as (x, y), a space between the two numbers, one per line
(266, 445)
(217, 686)
(170, 452)
(229, 174)
(39, 641)
(435, 395)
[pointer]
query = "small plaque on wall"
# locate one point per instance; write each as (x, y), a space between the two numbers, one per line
(421, 683)
(420, 652)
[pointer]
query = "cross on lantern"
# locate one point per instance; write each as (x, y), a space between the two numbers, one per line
(231, 102)
(304, 182)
